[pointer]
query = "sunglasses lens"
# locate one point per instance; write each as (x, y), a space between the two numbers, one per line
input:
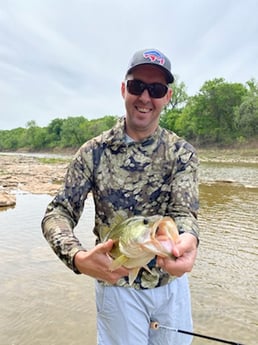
(157, 90)
(136, 87)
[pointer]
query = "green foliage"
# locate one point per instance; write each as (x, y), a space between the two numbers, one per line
(173, 110)
(51, 160)
(220, 113)
(54, 133)
(246, 117)
(60, 133)
(11, 140)
(212, 116)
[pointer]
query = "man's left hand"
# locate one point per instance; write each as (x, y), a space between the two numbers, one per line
(185, 252)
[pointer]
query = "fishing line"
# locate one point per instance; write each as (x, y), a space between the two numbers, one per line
(156, 325)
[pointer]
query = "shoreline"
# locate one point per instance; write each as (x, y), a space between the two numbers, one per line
(240, 155)
(43, 173)
(31, 174)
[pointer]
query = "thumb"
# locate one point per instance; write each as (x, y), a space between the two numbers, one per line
(176, 251)
(107, 246)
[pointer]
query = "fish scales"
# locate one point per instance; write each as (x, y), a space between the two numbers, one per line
(137, 240)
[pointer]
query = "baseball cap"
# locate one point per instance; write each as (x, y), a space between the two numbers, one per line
(152, 57)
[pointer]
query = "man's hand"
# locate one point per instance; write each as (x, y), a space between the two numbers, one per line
(185, 252)
(95, 263)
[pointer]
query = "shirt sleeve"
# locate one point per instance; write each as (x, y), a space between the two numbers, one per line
(64, 211)
(184, 191)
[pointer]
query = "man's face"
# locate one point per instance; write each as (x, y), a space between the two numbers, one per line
(143, 111)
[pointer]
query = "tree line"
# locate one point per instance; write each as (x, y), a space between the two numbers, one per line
(221, 113)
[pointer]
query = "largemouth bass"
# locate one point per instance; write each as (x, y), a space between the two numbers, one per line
(137, 240)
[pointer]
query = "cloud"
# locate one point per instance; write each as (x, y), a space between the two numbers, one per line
(61, 58)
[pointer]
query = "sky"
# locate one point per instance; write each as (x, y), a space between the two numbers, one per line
(61, 58)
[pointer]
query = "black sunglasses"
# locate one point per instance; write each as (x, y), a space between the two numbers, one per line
(136, 87)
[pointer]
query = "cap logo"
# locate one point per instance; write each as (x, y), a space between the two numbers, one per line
(154, 56)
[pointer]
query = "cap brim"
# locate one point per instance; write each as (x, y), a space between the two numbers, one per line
(169, 76)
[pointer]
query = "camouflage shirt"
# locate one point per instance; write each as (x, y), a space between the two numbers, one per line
(155, 176)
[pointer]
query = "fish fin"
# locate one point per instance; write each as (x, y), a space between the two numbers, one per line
(119, 218)
(105, 230)
(118, 262)
(147, 269)
(133, 274)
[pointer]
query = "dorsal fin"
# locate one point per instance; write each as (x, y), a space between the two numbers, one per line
(105, 230)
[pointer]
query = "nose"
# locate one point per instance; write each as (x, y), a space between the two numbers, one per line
(145, 96)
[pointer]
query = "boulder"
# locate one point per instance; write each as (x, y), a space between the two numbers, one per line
(7, 199)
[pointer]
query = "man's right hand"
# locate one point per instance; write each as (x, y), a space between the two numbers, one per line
(96, 263)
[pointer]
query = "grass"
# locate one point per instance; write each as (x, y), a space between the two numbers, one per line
(51, 160)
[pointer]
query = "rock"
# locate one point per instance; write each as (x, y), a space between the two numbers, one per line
(31, 175)
(7, 199)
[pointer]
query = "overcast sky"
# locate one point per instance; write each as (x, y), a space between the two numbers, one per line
(61, 58)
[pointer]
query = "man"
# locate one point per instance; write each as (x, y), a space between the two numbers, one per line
(141, 169)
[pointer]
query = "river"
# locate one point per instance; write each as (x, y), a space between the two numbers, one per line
(44, 303)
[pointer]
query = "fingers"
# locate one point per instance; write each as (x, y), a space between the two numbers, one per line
(185, 252)
(174, 267)
(96, 263)
(106, 246)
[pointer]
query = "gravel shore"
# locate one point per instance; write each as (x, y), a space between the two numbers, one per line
(28, 173)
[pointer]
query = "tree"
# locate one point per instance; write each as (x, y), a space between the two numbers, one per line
(35, 136)
(246, 117)
(174, 108)
(12, 139)
(73, 133)
(213, 110)
(54, 132)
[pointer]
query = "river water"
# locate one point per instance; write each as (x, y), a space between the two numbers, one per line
(44, 303)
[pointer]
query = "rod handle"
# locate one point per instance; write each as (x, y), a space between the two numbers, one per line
(154, 325)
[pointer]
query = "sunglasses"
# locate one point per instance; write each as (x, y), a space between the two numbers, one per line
(136, 87)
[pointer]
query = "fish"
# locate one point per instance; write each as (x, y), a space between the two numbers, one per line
(138, 239)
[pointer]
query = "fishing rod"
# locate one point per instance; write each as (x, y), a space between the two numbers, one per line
(156, 325)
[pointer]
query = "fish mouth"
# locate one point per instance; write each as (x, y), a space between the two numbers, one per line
(163, 236)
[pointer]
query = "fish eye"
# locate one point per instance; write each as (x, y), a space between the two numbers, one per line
(145, 221)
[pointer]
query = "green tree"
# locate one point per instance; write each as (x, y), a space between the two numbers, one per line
(246, 117)
(212, 110)
(12, 139)
(73, 131)
(54, 133)
(174, 108)
(35, 136)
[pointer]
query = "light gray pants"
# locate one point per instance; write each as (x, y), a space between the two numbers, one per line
(124, 314)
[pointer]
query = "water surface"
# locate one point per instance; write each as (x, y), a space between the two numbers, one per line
(44, 303)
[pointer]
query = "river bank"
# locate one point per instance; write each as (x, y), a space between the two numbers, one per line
(230, 155)
(31, 174)
(44, 173)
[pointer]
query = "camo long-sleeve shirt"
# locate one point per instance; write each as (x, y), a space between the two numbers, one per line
(155, 176)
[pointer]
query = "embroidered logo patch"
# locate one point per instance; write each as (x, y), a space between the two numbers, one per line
(154, 56)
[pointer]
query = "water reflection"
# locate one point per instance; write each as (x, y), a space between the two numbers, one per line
(45, 303)
(224, 281)
(42, 301)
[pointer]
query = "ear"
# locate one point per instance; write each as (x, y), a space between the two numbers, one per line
(123, 89)
(169, 95)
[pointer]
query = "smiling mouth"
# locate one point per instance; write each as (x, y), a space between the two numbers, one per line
(143, 110)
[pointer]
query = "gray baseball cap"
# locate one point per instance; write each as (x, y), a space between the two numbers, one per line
(152, 57)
